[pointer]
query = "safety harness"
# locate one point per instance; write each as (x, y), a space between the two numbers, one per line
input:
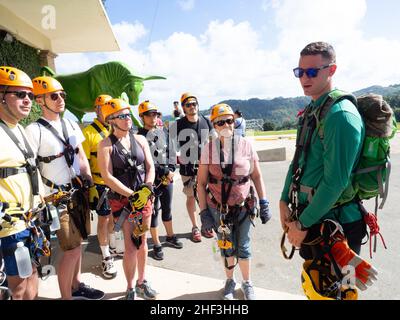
(229, 215)
(68, 153)
(132, 170)
(78, 205)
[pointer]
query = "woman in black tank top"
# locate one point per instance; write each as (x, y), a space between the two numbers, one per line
(125, 164)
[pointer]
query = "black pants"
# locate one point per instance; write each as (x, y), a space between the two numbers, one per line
(163, 203)
(354, 233)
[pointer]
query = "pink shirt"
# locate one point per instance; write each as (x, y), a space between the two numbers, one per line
(243, 165)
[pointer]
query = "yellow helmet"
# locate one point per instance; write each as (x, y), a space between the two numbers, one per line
(13, 77)
(101, 100)
(219, 110)
(186, 96)
(45, 84)
(319, 283)
(146, 106)
(113, 106)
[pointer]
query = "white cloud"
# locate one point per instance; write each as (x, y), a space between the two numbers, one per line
(228, 61)
(186, 5)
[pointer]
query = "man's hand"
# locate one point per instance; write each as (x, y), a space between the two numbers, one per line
(295, 235)
(284, 213)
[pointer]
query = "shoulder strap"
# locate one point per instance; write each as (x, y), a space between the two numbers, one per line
(97, 128)
(69, 152)
(332, 98)
(28, 155)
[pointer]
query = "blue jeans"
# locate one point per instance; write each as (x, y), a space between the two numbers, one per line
(10, 244)
(240, 237)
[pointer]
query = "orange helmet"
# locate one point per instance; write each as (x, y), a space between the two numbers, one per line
(45, 84)
(113, 106)
(219, 110)
(186, 96)
(101, 100)
(146, 106)
(14, 77)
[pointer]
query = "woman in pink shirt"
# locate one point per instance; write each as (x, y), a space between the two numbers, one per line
(229, 172)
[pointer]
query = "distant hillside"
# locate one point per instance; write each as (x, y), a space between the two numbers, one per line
(282, 111)
(384, 91)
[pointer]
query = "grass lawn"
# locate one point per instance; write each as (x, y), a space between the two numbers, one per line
(271, 133)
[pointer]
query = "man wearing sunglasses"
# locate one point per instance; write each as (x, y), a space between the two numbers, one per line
(322, 166)
(191, 132)
(64, 166)
(21, 188)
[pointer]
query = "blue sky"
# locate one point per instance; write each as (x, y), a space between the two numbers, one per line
(244, 49)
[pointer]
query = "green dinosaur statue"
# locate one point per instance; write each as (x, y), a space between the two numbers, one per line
(113, 78)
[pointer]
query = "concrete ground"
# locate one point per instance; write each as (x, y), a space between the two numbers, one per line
(193, 273)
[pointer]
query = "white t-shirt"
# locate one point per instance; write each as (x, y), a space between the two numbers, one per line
(45, 143)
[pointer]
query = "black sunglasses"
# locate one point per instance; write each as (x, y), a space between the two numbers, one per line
(123, 116)
(188, 105)
(220, 123)
(22, 94)
(310, 72)
(54, 96)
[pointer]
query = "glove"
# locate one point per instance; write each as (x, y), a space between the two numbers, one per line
(265, 215)
(344, 256)
(207, 220)
(140, 197)
(93, 197)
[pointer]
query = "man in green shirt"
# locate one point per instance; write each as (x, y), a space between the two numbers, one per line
(324, 168)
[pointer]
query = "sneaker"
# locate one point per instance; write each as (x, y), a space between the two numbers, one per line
(109, 270)
(248, 290)
(130, 294)
(196, 236)
(145, 291)
(207, 233)
(229, 289)
(173, 240)
(85, 292)
(114, 252)
(158, 253)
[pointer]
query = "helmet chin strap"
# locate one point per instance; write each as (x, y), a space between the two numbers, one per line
(47, 107)
(115, 125)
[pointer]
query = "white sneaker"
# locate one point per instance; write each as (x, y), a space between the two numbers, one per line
(114, 252)
(109, 270)
(248, 290)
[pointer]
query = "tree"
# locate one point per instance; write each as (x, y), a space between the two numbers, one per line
(269, 126)
(397, 114)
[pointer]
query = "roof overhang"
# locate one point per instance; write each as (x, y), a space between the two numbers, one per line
(59, 26)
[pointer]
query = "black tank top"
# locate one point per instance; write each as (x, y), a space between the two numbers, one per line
(122, 170)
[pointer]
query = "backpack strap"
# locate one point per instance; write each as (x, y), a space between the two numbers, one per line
(97, 128)
(332, 98)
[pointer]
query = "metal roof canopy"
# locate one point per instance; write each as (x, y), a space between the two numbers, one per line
(80, 26)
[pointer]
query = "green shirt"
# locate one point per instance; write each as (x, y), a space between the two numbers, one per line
(330, 163)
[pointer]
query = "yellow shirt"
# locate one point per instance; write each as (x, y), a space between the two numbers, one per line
(92, 140)
(16, 190)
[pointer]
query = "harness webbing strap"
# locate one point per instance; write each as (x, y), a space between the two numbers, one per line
(69, 152)
(29, 156)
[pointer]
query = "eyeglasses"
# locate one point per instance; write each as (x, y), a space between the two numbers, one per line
(123, 116)
(310, 72)
(54, 96)
(22, 94)
(191, 104)
(151, 114)
(220, 123)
